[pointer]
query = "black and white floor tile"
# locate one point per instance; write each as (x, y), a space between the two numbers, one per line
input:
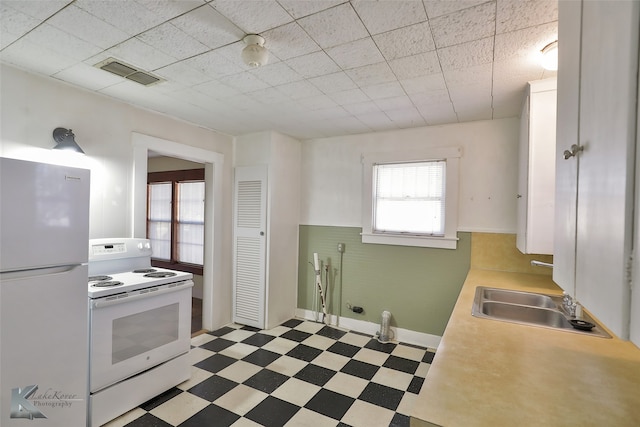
(300, 373)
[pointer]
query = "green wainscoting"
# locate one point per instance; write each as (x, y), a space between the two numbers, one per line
(419, 286)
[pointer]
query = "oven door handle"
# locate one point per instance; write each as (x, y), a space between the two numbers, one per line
(141, 294)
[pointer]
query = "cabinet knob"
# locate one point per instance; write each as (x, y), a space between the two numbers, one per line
(518, 196)
(575, 149)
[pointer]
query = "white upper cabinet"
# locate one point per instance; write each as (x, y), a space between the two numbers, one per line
(536, 179)
(597, 92)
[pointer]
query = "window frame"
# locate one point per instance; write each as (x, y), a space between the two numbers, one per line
(174, 177)
(452, 157)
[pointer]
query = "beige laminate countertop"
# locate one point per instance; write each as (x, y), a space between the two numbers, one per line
(493, 373)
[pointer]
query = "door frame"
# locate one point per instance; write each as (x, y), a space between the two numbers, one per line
(213, 246)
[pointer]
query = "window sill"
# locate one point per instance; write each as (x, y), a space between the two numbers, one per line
(402, 240)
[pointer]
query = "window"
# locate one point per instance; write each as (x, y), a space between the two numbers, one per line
(175, 219)
(411, 198)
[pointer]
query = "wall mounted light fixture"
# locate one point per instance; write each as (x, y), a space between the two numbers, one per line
(255, 54)
(550, 56)
(66, 140)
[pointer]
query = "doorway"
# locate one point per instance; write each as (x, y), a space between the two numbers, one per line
(176, 221)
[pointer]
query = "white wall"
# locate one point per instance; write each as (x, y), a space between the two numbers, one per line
(32, 106)
(332, 172)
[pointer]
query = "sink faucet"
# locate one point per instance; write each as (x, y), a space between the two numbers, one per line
(571, 307)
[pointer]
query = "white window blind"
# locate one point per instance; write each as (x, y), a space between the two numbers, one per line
(410, 198)
(190, 238)
(159, 224)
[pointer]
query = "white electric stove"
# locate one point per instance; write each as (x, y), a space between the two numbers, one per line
(140, 327)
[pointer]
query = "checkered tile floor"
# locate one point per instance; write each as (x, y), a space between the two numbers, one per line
(298, 374)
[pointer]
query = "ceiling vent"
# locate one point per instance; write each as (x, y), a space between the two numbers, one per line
(129, 72)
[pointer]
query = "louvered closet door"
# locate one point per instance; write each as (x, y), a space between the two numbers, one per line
(249, 266)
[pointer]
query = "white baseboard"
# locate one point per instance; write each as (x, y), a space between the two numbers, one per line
(399, 334)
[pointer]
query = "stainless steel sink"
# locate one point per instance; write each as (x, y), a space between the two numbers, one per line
(528, 308)
(518, 297)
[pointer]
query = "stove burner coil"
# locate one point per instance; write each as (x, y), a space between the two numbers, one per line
(107, 284)
(145, 270)
(160, 274)
(99, 278)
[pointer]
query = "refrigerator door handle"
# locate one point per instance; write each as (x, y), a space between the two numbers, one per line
(35, 272)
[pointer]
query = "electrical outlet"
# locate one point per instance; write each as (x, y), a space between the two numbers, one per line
(341, 248)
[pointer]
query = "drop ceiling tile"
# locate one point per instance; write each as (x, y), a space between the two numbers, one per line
(416, 65)
(371, 75)
(377, 121)
(89, 77)
(130, 17)
(313, 65)
(214, 64)
(348, 125)
(471, 93)
(171, 40)
(243, 102)
(362, 108)
(383, 16)
(437, 114)
(516, 15)
(467, 54)
(334, 26)
(276, 74)
(356, 54)
(527, 42)
(59, 41)
(469, 76)
(136, 53)
(299, 90)
(464, 26)
(405, 41)
(406, 117)
(244, 82)
(14, 24)
(394, 103)
(36, 58)
(289, 41)
(347, 97)
(335, 82)
(169, 9)
(269, 96)
(384, 90)
(87, 27)
(209, 27)
(37, 9)
(508, 105)
(426, 99)
(430, 83)
(182, 73)
(517, 70)
(317, 102)
(444, 7)
(215, 89)
(299, 9)
(471, 113)
(252, 16)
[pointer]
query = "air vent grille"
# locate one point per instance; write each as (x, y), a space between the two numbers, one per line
(129, 72)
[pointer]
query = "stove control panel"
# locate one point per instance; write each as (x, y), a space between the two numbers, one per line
(121, 248)
(105, 249)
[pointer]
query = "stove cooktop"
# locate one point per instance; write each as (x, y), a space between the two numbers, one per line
(106, 285)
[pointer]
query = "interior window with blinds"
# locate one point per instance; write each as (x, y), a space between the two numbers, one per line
(410, 198)
(175, 219)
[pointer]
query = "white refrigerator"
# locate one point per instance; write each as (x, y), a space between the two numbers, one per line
(44, 234)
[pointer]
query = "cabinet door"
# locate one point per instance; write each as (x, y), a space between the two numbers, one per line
(606, 170)
(564, 246)
(249, 248)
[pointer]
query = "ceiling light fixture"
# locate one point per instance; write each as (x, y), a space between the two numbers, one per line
(66, 140)
(550, 56)
(255, 54)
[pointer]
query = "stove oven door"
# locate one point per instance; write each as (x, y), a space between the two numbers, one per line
(133, 333)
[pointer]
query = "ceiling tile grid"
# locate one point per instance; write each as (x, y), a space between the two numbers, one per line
(335, 66)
